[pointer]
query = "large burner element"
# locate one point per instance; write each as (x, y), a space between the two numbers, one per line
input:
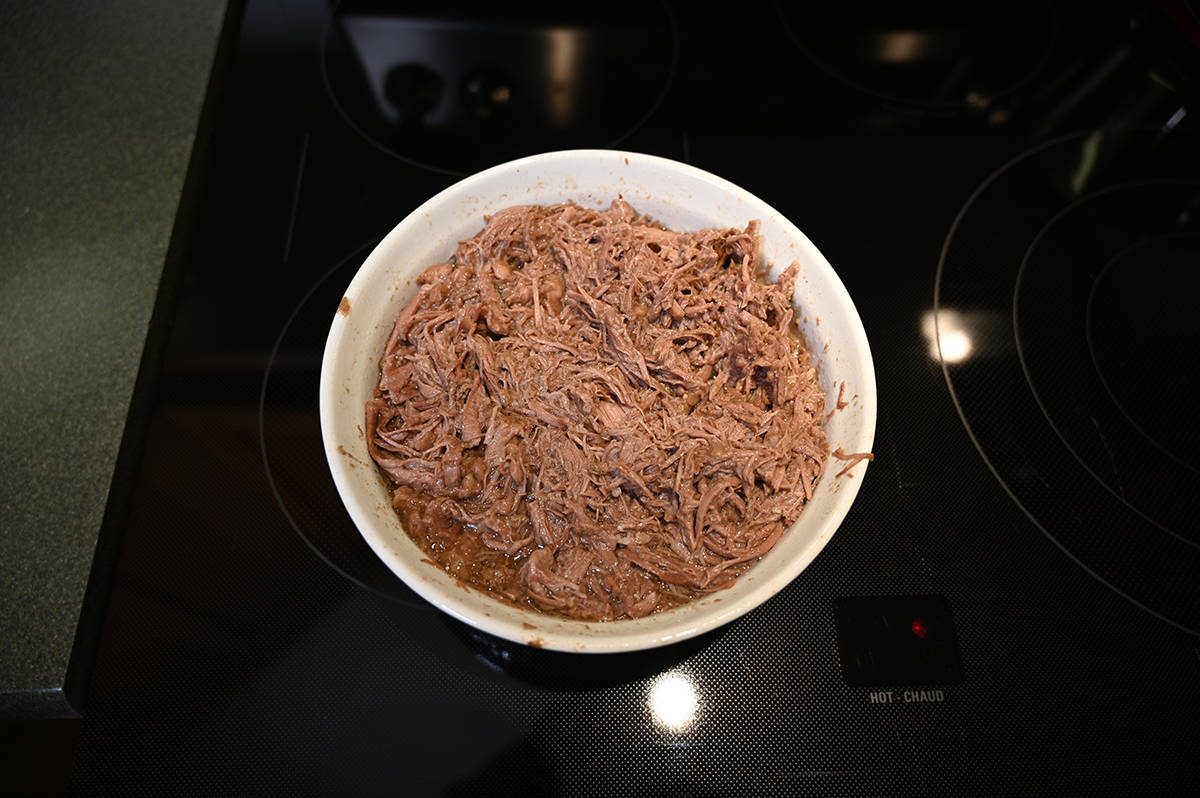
(1080, 261)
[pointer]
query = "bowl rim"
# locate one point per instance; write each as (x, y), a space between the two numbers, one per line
(620, 635)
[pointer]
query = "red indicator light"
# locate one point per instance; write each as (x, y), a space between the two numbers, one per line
(919, 628)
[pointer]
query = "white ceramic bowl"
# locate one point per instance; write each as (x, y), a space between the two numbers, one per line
(679, 196)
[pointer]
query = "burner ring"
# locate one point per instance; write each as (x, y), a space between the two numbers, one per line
(906, 43)
(1022, 353)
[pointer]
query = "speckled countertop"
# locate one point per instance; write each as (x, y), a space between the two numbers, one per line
(99, 105)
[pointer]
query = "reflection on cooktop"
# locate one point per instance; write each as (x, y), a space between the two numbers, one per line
(562, 671)
(459, 92)
(934, 54)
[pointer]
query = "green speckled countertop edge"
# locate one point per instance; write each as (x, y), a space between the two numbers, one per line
(100, 104)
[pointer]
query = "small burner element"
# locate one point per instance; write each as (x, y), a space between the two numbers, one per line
(459, 93)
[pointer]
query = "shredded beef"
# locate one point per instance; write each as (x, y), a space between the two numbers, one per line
(590, 415)
(853, 458)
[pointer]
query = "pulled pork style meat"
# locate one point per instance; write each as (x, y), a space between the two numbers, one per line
(587, 414)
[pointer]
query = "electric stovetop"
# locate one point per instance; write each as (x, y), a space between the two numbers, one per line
(1012, 198)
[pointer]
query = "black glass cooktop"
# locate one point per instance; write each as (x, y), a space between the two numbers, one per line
(1012, 198)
